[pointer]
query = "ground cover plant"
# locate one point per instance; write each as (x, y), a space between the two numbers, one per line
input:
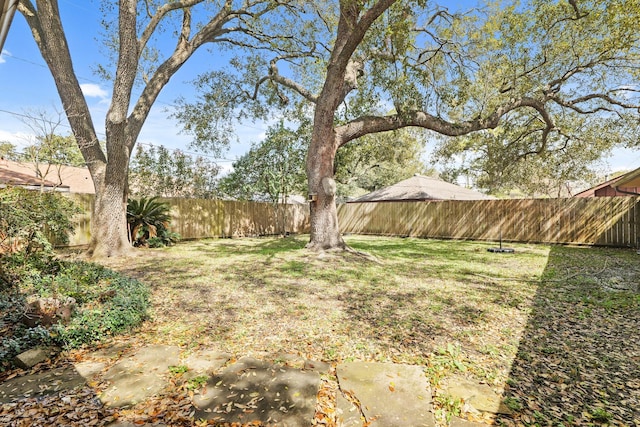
(555, 327)
(104, 303)
(48, 301)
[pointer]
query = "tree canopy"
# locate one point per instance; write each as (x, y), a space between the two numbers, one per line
(547, 71)
(272, 170)
(148, 43)
(156, 171)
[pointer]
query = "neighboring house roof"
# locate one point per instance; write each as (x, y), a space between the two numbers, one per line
(77, 180)
(17, 179)
(627, 184)
(629, 179)
(421, 187)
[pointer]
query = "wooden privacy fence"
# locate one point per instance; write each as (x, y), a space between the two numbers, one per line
(199, 218)
(608, 221)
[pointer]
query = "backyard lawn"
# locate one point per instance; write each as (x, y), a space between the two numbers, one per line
(556, 329)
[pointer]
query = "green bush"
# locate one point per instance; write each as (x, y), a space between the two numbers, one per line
(164, 238)
(108, 303)
(33, 219)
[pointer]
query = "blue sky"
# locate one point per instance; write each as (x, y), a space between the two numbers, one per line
(26, 85)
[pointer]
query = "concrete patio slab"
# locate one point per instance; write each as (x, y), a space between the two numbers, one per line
(390, 395)
(480, 397)
(252, 390)
(136, 377)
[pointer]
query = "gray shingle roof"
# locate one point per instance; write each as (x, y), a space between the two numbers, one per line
(421, 187)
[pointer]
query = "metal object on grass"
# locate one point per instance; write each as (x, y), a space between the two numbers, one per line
(501, 249)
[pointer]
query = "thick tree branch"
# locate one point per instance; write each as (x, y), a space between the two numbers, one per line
(183, 51)
(350, 33)
(374, 124)
(275, 76)
(48, 33)
(161, 12)
(127, 66)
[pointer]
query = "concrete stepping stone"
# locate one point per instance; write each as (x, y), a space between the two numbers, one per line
(480, 397)
(40, 384)
(48, 382)
(459, 422)
(347, 414)
(139, 376)
(205, 361)
(252, 390)
(30, 358)
(390, 395)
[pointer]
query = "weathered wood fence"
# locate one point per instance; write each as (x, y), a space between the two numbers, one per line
(608, 221)
(199, 218)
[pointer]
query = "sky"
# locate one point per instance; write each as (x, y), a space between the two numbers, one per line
(26, 86)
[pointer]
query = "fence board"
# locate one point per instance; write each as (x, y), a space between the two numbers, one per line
(200, 218)
(607, 221)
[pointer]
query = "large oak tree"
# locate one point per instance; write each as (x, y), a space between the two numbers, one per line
(540, 63)
(194, 24)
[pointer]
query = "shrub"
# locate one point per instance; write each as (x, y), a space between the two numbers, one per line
(117, 305)
(30, 220)
(164, 238)
(107, 304)
(148, 221)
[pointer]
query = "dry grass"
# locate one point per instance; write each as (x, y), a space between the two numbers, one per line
(264, 297)
(556, 327)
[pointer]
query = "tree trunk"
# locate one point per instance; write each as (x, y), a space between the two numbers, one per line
(109, 233)
(109, 236)
(325, 232)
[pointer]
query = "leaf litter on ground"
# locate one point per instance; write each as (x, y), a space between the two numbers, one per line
(542, 324)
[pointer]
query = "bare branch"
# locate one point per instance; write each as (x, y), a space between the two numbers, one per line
(573, 104)
(274, 75)
(554, 85)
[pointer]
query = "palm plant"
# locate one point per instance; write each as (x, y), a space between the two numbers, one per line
(146, 218)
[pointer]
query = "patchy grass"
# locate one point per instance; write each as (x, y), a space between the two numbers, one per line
(557, 320)
(268, 296)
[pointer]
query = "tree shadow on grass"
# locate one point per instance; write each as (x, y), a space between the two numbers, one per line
(579, 356)
(254, 246)
(425, 319)
(415, 248)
